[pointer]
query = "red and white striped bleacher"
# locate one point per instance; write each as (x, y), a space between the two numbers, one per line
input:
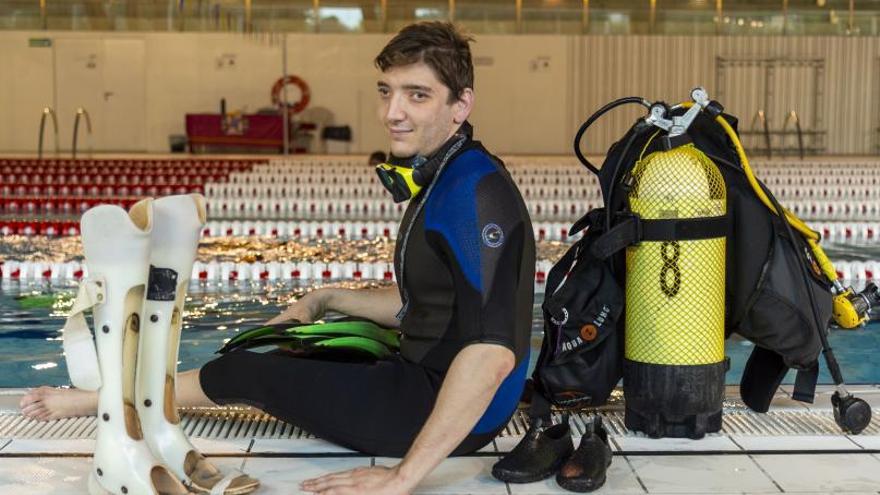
(326, 196)
(340, 198)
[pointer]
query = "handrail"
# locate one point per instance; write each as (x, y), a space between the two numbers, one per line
(47, 111)
(793, 117)
(79, 113)
(759, 115)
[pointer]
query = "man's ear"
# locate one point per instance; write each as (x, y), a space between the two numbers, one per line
(464, 105)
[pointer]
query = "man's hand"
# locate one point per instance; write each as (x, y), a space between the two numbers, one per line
(380, 305)
(377, 480)
(307, 309)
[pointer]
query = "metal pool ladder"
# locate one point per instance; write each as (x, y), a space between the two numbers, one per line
(80, 112)
(47, 111)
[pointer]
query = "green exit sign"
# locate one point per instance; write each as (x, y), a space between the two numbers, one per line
(40, 42)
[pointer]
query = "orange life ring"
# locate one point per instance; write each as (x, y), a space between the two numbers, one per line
(305, 94)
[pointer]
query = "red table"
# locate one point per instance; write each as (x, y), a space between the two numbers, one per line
(208, 130)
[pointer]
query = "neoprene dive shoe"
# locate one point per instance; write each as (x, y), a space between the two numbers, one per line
(585, 469)
(541, 452)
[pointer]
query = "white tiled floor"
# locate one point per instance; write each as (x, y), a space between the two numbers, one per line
(35, 446)
(224, 446)
(838, 472)
(687, 470)
(713, 443)
(300, 446)
(701, 474)
(868, 442)
(29, 476)
(801, 443)
(673, 474)
(461, 475)
(283, 476)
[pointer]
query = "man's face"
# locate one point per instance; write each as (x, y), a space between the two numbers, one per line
(415, 109)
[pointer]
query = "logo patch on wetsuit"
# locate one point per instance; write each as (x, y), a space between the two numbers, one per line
(493, 236)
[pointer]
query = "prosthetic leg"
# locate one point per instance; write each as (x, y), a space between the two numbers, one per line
(117, 247)
(174, 241)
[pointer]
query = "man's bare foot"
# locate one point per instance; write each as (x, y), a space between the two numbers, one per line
(48, 403)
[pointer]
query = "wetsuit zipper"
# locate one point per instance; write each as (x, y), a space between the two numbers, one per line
(405, 239)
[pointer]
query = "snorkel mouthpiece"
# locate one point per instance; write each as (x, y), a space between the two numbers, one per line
(399, 181)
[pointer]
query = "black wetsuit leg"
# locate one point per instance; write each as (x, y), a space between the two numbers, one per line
(375, 408)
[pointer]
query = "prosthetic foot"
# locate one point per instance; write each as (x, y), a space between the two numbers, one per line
(178, 221)
(117, 248)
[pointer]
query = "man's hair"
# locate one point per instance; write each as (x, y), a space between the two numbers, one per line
(441, 46)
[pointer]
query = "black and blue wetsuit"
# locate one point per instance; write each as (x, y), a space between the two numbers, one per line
(465, 263)
(467, 272)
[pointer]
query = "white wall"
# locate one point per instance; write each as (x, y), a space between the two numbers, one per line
(172, 87)
(340, 73)
(522, 92)
(532, 91)
(26, 86)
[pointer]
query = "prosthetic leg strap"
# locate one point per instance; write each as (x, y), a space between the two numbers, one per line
(805, 384)
(79, 345)
(633, 230)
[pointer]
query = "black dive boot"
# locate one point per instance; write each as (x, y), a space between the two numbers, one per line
(585, 470)
(540, 453)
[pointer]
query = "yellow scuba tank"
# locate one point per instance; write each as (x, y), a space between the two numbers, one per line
(675, 285)
(675, 289)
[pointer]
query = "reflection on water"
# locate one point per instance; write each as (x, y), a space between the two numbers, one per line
(240, 249)
(31, 350)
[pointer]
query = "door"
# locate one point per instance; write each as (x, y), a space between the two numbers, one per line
(78, 84)
(124, 95)
(106, 79)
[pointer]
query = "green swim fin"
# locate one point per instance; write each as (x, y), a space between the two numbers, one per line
(41, 300)
(348, 339)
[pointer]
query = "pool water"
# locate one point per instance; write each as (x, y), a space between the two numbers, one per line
(31, 345)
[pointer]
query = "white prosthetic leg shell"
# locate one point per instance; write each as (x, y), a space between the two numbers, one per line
(177, 225)
(117, 252)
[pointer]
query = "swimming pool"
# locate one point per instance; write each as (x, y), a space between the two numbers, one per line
(31, 345)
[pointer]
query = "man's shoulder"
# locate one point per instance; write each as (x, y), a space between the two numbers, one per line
(472, 164)
(474, 181)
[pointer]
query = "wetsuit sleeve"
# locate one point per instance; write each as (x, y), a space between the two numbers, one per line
(482, 234)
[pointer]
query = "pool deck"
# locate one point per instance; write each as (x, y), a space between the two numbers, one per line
(796, 448)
